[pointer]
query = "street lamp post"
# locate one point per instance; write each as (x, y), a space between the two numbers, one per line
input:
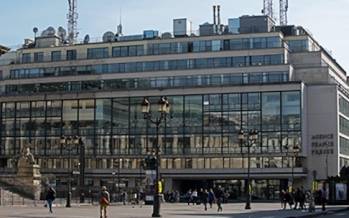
(249, 140)
(114, 174)
(68, 142)
(294, 156)
(164, 109)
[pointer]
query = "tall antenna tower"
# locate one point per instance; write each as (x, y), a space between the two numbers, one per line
(268, 8)
(72, 21)
(283, 12)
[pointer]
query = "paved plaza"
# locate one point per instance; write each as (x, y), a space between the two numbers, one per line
(260, 210)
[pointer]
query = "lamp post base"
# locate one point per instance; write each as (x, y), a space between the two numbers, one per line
(156, 206)
(248, 206)
(68, 200)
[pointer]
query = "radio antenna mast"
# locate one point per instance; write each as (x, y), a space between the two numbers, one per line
(268, 8)
(283, 12)
(72, 21)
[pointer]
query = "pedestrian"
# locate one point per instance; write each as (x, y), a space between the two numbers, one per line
(211, 197)
(194, 196)
(200, 193)
(104, 200)
(124, 197)
(323, 197)
(302, 199)
(189, 196)
(288, 199)
(283, 199)
(219, 198)
(50, 197)
(204, 198)
(297, 198)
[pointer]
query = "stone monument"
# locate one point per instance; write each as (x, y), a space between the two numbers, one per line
(28, 174)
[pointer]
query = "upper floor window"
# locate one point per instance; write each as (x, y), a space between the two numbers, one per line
(298, 45)
(26, 58)
(125, 51)
(56, 55)
(93, 53)
(38, 57)
(71, 54)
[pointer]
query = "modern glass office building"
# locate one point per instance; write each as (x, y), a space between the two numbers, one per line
(278, 81)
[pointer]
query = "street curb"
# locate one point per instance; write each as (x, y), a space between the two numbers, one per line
(320, 213)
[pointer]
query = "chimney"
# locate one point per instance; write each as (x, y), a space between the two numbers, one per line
(218, 15)
(214, 15)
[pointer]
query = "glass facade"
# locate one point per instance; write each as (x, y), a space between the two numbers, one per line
(150, 66)
(176, 48)
(96, 53)
(153, 83)
(199, 125)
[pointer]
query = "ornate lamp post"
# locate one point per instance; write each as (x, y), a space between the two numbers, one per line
(68, 143)
(164, 109)
(249, 139)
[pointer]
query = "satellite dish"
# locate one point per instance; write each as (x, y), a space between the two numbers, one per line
(62, 33)
(51, 31)
(87, 39)
(108, 37)
(35, 30)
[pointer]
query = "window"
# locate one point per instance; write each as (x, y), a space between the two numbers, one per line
(95, 53)
(26, 58)
(274, 42)
(343, 106)
(271, 111)
(291, 118)
(298, 45)
(71, 55)
(56, 55)
(38, 57)
(259, 43)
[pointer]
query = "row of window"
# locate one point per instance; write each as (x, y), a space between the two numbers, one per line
(162, 48)
(181, 64)
(152, 83)
(170, 163)
(198, 124)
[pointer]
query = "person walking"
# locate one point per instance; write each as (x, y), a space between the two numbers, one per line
(50, 197)
(194, 195)
(323, 197)
(189, 196)
(204, 198)
(283, 199)
(104, 202)
(302, 199)
(288, 199)
(211, 197)
(219, 198)
(297, 198)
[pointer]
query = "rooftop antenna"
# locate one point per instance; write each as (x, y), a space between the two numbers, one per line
(119, 27)
(283, 12)
(268, 8)
(214, 15)
(72, 21)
